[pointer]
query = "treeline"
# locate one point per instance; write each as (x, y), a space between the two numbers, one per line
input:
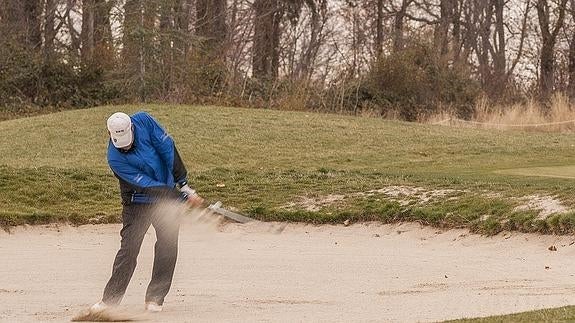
(407, 58)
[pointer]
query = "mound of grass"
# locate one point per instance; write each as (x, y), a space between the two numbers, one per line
(562, 314)
(43, 195)
(265, 163)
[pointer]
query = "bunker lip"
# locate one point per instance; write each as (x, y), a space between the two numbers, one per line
(545, 205)
(230, 272)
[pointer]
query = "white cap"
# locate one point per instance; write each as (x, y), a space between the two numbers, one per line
(120, 128)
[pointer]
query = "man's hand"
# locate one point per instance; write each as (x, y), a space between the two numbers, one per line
(195, 200)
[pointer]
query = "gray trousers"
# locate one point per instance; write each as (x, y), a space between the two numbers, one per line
(136, 220)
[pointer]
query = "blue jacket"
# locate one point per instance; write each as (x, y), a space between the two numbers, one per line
(152, 167)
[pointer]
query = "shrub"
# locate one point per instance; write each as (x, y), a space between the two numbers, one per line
(27, 80)
(416, 83)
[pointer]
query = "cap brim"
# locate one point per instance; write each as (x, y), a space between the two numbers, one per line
(123, 141)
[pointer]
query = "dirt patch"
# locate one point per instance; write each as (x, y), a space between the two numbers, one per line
(546, 205)
(315, 204)
(404, 195)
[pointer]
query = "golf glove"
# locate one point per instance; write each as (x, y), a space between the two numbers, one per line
(188, 190)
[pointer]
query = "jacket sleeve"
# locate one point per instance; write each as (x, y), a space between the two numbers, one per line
(143, 182)
(166, 148)
(179, 171)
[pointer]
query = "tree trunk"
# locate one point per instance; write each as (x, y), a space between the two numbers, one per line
(265, 54)
(49, 31)
(547, 72)
(457, 32)
(211, 28)
(379, 30)
(549, 38)
(32, 13)
(181, 41)
(75, 36)
(131, 40)
(571, 86)
(442, 31)
(97, 47)
(470, 33)
(181, 35)
(306, 66)
(148, 37)
(166, 52)
(87, 35)
(398, 26)
(499, 58)
(133, 55)
(103, 54)
(21, 23)
(485, 72)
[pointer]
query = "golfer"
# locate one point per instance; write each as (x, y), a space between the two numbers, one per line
(146, 162)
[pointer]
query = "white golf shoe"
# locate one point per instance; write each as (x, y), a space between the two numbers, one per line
(153, 307)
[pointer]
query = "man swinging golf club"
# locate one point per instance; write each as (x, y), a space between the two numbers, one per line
(146, 162)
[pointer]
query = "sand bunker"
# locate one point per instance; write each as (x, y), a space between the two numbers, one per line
(248, 273)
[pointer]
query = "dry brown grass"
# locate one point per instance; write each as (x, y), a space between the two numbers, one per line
(530, 116)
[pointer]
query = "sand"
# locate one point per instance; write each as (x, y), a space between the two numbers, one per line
(247, 273)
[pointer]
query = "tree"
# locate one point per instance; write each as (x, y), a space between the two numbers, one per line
(398, 25)
(499, 49)
(442, 29)
(21, 23)
(549, 35)
(132, 51)
(49, 30)
(306, 20)
(379, 30)
(211, 28)
(32, 25)
(265, 51)
(571, 56)
(97, 47)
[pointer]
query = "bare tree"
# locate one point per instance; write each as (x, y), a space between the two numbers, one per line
(457, 38)
(70, 23)
(87, 35)
(181, 35)
(166, 29)
(21, 21)
(549, 34)
(442, 29)
(134, 65)
(309, 35)
(49, 30)
(398, 24)
(211, 28)
(498, 50)
(32, 16)
(96, 36)
(267, 18)
(379, 30)
(571, 56)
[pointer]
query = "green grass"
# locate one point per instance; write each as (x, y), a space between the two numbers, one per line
(53, 167)
(557, 171)
(562, 314)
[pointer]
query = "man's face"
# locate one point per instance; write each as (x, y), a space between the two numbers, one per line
(128, 147)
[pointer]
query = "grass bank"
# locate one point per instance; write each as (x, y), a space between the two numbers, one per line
(562, 314)
(278, 165)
